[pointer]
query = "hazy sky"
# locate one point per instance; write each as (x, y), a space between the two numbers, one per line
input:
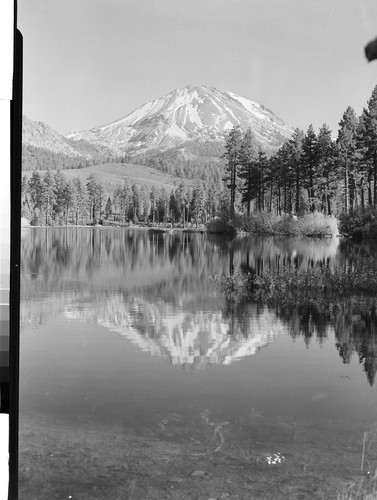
(89, 62)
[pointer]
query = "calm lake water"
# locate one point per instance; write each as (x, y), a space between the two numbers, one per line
(140, 380)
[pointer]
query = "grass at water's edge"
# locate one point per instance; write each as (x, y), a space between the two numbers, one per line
(302, 284)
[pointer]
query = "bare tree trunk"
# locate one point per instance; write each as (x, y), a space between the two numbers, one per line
(346, 204)
(271, 189)
(370, 201)
(375, 181)
(278, 211)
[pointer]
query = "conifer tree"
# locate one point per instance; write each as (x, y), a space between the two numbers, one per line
(326, 168)
(295, 144)
(261, 165)
(346, 142)
(81, 201)
(59, 192)
(370, 138)
(154, 195)
(69, 198)
(285, 179)
(182, 196)
(108, 208)
(365, 166)
(100, 199)
(135, 203)
(232, 157)
(48, 195)
(310, 165)
(247, 168)
(173, 207)
(163, 206)
(127, 200)
(198, 200)
(93, 201)
(35, 189)
(145, 202)
(116, 200)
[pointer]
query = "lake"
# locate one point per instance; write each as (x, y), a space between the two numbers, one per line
(139, 379)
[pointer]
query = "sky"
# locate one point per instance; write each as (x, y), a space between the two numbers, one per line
(90, 62)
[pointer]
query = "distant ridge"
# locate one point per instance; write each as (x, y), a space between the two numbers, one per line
(43, 147)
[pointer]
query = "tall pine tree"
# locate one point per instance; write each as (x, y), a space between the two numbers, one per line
(310, 166)
(232, 156)
(326, 168)
(346, 142)
(370, 138)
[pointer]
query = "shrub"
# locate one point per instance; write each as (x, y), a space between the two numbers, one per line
(363, 221)
(287, 225)
(259, 222)
(235, 286)
(312, 224)
(318, 224)
(218, 225)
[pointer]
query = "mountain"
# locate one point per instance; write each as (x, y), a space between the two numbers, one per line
(192, 114)
(43, 147)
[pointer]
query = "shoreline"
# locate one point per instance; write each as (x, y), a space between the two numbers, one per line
(186, 230)
(128, 228)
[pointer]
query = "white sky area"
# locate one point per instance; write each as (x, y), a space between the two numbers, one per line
(89, 62)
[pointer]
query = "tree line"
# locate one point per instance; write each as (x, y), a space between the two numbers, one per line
(310, 172)
(51, 199)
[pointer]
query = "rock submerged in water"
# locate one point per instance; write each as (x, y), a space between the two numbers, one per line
(198, 473)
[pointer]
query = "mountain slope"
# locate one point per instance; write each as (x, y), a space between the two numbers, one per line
(44, 147)
(111, 175)
(190, 114)
(41, 135)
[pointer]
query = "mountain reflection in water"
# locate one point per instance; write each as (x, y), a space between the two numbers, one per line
(196, 339)
(155, 290)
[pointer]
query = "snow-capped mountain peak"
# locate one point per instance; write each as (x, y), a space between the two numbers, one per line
(193, 113)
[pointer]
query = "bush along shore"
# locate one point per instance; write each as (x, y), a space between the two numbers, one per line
(360, 224)
(298, 284)
(314, 224)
